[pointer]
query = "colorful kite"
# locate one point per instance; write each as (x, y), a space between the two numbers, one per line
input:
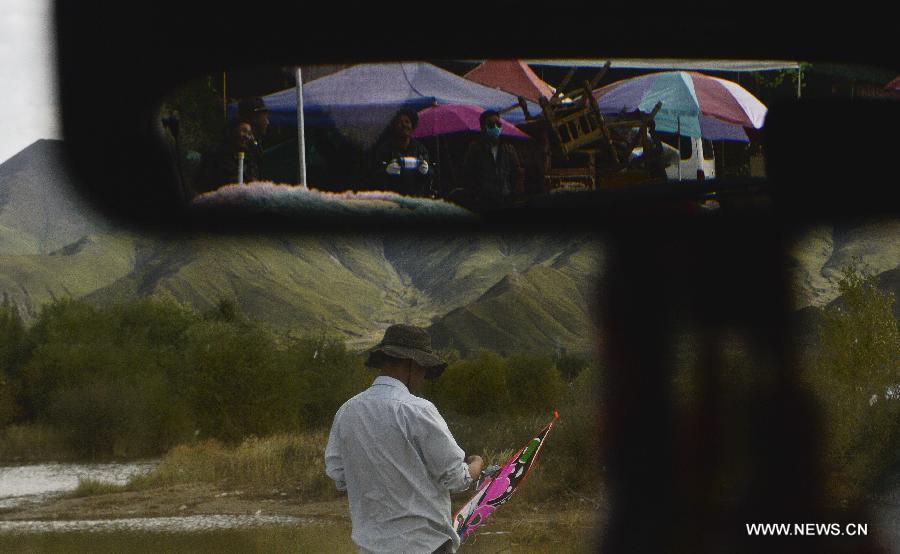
(496, 488)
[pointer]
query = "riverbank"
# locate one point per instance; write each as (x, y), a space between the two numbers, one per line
(570, 522)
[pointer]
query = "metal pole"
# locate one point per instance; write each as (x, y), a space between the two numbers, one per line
(679, 147)
(301, 142)
(799, 79)
(437, 190)
(723, 158)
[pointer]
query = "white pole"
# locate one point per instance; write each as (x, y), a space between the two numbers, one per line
(301, 142)
(240, 168)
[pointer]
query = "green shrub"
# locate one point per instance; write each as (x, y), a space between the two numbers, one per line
(13, 348)
(472, 386)
(325, 375)
(570, 366)
(855, 375)
(231, 383)
(9, 408)
(32, 443)
(534, 384)
(101, 376)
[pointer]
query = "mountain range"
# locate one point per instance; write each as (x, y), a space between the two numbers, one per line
(508, 292)
(502, 291)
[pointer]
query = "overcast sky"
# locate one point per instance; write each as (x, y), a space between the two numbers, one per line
(28, 107)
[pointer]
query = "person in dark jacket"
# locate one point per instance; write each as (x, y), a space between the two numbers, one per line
(493, 172)
(399, 163)
(253, 111)
(222, 165)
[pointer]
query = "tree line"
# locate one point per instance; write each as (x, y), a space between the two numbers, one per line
(140, 377)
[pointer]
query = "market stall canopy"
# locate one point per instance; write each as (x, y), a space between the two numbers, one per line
(852, 72)
(893, 85)
(693, 104)
(512, 76)
(359, 101)
(457, 118)
(675, 64)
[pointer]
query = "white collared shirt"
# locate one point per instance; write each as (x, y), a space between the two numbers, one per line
(396, 458)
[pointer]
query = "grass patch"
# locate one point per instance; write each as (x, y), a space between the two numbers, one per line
(294, 463)
(94, 487)
(287, 463)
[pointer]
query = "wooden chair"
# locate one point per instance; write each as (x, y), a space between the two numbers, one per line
(575, 125)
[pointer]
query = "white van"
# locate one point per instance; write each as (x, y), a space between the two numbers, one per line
(697, 154)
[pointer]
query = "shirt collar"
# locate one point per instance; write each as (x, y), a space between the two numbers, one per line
(390, 382)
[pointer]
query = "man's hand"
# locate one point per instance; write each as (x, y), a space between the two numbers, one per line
(475, 466)
(423, 167)
(393, 168)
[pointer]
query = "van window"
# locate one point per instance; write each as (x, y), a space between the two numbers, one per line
(687, 147)
(709, 152)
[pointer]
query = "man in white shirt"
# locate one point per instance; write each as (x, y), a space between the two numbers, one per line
(395, 456)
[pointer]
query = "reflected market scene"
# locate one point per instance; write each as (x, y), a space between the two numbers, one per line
(478, 135)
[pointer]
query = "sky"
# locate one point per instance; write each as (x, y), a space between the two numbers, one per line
(28, 105)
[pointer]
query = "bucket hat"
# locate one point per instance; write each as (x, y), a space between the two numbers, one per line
(250, 106)
(409, 342)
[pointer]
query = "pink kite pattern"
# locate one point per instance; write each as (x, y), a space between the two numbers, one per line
(496, 489)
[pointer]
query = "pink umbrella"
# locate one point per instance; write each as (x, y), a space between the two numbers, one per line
(457, 118)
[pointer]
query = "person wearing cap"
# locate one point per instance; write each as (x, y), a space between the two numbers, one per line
(253, 111)
(399, 162)
(394, 455)
(491, 167)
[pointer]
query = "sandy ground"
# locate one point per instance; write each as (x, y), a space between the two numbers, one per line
(177, 500)
(203, 499)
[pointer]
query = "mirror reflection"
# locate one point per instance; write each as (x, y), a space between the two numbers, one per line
(476, 136)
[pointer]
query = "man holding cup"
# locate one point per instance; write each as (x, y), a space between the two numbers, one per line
(400, 162)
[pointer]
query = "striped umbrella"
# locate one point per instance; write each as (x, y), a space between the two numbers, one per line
(693, 104)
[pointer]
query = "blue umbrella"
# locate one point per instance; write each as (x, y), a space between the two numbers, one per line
(360, 100)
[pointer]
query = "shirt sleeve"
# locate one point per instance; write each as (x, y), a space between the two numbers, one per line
(334, 460)
(443, 458)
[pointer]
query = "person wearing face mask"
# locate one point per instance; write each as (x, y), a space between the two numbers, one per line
(493, 172)
(399, 162)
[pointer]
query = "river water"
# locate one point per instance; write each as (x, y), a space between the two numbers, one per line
(39, 482)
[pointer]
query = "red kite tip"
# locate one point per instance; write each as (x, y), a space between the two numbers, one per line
(555, 414)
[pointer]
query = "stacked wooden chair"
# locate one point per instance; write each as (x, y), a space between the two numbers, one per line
(588, 150)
